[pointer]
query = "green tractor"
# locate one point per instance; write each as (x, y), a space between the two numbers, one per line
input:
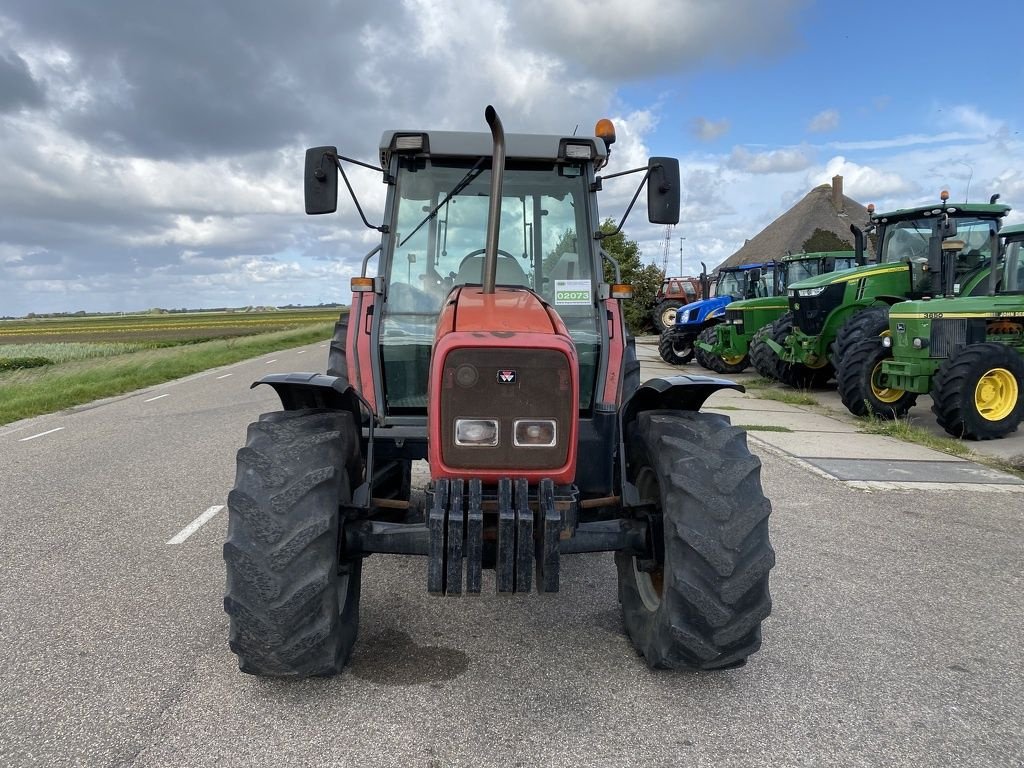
(967, 351)
(832, 312)
(729, 347)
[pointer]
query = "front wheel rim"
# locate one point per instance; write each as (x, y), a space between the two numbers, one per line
(886, 395)
(668, 317)
(996, 394)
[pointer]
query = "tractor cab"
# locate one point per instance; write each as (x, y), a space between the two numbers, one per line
(439, 212)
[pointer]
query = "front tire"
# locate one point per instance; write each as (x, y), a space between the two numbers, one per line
(763, 357)
(697, 599)
(865, 323)
(859, 386)
(704, 358)
(675, 348)
(293, 602)
(976, 394)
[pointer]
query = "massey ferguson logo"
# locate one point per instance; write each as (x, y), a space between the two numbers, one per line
(507, 376)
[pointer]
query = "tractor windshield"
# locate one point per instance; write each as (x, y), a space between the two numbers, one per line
(795, 271)
(908, 241)
(738, 285)
(440, 227)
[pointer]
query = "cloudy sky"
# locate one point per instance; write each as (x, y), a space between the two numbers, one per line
(151, 153)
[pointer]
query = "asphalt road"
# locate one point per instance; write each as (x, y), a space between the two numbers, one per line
(895, 637)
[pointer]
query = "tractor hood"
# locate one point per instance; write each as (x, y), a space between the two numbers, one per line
(957, 308)
(846, 275)
(698, 311)
(768, 302)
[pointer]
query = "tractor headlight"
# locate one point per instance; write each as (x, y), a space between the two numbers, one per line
(887, 342)
(808, 292)
(919, 343)
(476, 432)
(534, 433)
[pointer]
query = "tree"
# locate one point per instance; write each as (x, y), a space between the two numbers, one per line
(825, 240)
(645, 278)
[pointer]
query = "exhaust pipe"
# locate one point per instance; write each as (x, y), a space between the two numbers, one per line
(494, 211)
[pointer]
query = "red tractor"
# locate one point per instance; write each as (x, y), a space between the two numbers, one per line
(674, 293)
(489, 344)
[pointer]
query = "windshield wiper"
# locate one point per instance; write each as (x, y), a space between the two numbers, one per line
(464, 182)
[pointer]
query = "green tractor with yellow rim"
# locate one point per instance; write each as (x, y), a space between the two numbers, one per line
(735, 343)
(966, 351)
(830, 313)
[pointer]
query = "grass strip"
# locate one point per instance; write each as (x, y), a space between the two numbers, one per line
(32, 392)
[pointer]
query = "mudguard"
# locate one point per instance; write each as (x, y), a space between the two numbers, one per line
(317, 390)
(684, 393)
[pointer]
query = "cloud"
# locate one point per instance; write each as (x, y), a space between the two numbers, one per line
(863, 182)
(823, 122)
(18, 89)
(651, 37)
(784, 160)
(708, 130)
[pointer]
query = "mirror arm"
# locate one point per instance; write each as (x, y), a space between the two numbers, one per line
(383, 228)
(600, 234)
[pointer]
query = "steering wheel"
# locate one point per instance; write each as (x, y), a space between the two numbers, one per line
(478, 251)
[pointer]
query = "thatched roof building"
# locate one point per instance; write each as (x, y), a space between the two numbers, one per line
(824, 207)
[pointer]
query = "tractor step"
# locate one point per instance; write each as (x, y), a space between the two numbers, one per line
(525, 540)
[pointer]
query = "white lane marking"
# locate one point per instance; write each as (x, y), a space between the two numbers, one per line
(165, 394)
(195, 525)
(225, 375)
(271, 361)
(12, 431)
(47, 432)
(301, 352)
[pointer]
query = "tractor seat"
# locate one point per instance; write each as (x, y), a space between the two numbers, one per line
(509, 272)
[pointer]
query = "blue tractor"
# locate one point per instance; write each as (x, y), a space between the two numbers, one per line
(749, 281)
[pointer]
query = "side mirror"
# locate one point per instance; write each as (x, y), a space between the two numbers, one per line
(663, 190)
(321, 180)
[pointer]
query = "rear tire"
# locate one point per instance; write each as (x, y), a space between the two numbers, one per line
(976, 394)
(675, 348)
(698, 599)
(857, 382)
(664, 314)
(293, 602)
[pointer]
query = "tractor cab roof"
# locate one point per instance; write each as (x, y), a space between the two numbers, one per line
(1013, 231)
(747, 267)
(816, 255)
(519, 146)
(984, 210)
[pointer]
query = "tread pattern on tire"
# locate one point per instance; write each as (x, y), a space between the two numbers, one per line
(708, 360)
(869, 321)
(667, 343)
(854, 382)
(717, 552)
(795, 375)
(953, 392)
(763, 357)
(285, 583)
